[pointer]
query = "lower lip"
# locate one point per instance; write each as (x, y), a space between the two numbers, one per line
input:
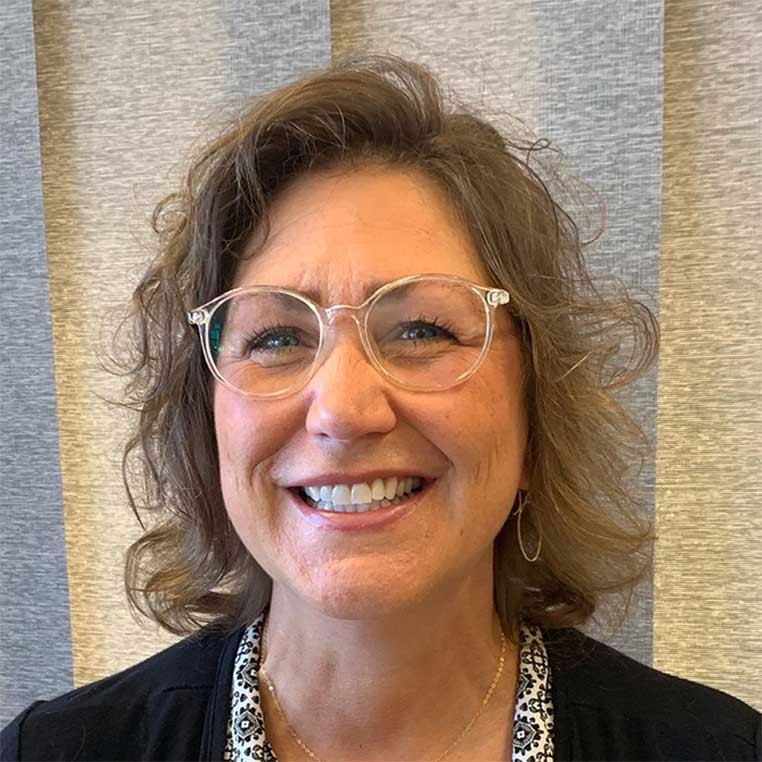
(359, 522)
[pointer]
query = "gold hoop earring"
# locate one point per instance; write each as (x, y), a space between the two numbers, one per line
(522, 502)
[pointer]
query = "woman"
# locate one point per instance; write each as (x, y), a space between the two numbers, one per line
(379, 428)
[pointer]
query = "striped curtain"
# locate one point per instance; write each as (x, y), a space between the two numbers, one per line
(656, 105)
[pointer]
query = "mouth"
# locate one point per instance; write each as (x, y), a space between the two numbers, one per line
(344, 501)
(362, 516)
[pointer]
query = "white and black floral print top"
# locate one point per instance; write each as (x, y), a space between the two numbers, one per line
(532, 722)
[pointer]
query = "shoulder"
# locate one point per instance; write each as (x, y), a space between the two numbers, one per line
(119, 715)
(609, 702)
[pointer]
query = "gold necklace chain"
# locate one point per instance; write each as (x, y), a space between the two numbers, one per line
(311, 754)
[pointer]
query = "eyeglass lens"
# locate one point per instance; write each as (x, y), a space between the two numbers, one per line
(425, 334)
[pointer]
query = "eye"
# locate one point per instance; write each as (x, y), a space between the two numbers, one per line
(273, 339)
(422, 329)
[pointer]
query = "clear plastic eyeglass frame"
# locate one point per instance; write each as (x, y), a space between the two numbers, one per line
(201, 317)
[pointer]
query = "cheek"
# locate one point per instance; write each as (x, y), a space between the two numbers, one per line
(249, 430)
(236, 434)
(502, 400)
(483, 431)
(247, 438)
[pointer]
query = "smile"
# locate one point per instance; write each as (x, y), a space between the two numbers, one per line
(362, 497)
(377, 515)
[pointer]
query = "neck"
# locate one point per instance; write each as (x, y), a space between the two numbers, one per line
(401, 686)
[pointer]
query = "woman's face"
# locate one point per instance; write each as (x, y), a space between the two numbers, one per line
(332, 234)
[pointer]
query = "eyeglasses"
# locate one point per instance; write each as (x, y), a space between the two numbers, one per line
(426, 332)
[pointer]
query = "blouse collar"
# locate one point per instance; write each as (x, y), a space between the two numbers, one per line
(246, 740)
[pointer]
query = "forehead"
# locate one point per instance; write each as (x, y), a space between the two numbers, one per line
(338, 236)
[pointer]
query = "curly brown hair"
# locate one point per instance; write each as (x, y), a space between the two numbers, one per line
(582, 341)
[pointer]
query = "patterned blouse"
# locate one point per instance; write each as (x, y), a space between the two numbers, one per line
(532, 720)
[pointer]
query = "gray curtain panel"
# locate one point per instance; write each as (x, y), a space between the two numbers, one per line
(35, 626)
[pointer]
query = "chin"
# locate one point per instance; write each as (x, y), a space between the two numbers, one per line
(356, 599)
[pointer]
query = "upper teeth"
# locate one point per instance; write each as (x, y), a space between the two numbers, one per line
(364, 492)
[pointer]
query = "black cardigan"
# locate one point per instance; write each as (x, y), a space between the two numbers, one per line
(174, 706)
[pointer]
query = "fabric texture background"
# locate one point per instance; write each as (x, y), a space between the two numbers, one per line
(709, 461)
(32, 546)
(656, 106)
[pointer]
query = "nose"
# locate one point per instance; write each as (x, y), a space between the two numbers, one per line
(347, 397)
